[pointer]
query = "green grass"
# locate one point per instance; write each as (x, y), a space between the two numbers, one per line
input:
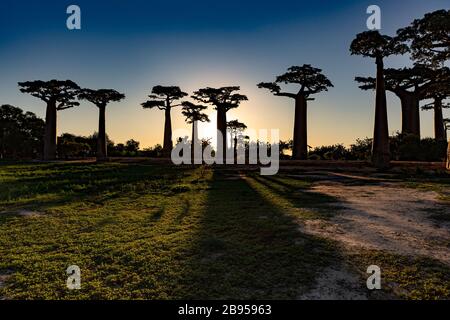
(404, 277)
(142, 231)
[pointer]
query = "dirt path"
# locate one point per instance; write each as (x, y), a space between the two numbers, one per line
(375, 214)
(385, 216)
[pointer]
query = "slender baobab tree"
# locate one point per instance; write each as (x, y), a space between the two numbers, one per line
(409, 85)
(374, 45)
(235, 128)
(58, 95)
(163, 98)
(311, 81)
(101, 98)
(223, 99)
(193, 113)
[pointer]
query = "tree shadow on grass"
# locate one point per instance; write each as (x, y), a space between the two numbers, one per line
(299, 195)
(91, 184)
(247, 248)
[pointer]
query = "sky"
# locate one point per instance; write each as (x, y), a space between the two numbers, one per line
(134, 45)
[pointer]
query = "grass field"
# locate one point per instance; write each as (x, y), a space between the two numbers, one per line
(144, 231)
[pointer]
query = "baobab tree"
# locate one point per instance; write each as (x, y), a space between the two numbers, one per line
(409, 85)
(223, 99)
(311, 81)
(374, 45)
(235, 128)
(193, 113)
(163, 98)
(58, 95)
(101, 98)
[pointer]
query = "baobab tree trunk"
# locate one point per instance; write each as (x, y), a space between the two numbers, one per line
(405, 101)
(300, 147)
(380, 146)
(410, 113)
(415, 116)
(167, 145)
(101, 138)
(50, 131)
(222, 128)
(440, 134)
(405, 118)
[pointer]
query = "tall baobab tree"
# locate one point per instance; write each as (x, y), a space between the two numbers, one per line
(311, 81)
(101, 98)
(374, 45)
(430, 42)
(58, 95)
(223, 99)
(163, 98)
(409, 85)
(235, 128)
(438, 92)
(193, 113)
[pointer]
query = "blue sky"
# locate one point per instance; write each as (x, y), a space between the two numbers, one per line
(133, 45)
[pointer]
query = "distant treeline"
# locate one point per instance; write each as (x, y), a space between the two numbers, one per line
(403, 147)
(22, 134)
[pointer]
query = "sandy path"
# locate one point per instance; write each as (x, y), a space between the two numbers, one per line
(384, 216)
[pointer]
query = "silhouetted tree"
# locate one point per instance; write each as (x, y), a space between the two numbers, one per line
(100, 98)
(410, 85)
(311, 81)
(374, 45)
(439, 91)
(430, 41)
(223, 99)
(163, 97)
(429, 38)
(59, 95)
(193, 113)
(21, 133)
(235, 128)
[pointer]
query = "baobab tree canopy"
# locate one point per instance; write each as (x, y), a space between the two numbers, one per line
(440, 88)
(429, 37)
(374, 45)
(101, 97)
(310, 79)
(163, 96)
(415, 79)
(220, 97)
(61, 92)
(236, 126)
